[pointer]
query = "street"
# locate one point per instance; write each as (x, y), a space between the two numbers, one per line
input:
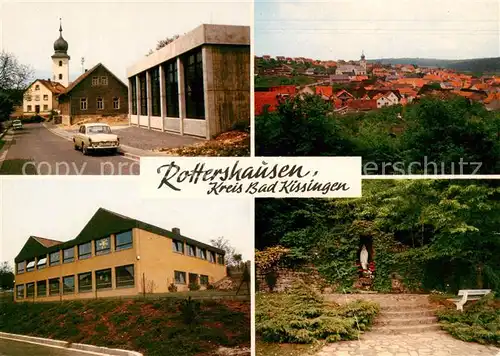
(36, 150)
(17, 348)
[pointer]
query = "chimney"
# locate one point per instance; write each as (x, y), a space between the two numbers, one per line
(176, 231)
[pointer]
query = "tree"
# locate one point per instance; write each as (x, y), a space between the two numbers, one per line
(13, 74)
(6, 276)
(14, 78)
(232, 258)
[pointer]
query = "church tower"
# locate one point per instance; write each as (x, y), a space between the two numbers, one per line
(362, 62)
(60, 60)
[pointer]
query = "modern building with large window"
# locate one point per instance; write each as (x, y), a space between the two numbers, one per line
(197, 85)
(114, 256)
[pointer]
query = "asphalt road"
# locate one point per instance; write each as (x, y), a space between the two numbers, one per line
(16, 348)
(36, 150)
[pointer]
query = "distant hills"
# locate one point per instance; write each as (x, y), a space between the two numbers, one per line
(477, 65)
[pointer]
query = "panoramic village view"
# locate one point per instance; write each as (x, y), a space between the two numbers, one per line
(400, 109)
(187, 96)
(411, 268)
(126, 274)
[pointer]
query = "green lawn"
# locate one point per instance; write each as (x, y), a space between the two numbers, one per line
(15, 166)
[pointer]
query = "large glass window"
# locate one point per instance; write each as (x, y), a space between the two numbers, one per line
(124, 240)
(220, 259)
(133, 85)
(125, 276)
(69, 284)
(84, 251)
(143, 93)
(155, 91)
(203, 280)
(193, 278)
(54, 286)
(20, 268)
(180, 277)
(41, 288)
(202, 253)
(20, 291)
(42, 263)
(211, 256)
(195, 101)
(172, 89)
(178, 246)
(103, 279)
(103, 246)
(55, 258)
(85, 282)
(69, 255)
(30, 290)
(191, 250)
(30, 266)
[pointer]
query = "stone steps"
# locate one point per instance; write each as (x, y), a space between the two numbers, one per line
(409, 313)
(422, 320)
(407, 329)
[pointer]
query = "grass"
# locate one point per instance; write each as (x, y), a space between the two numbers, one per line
(15, 166)
(479, 322)
(153, 327)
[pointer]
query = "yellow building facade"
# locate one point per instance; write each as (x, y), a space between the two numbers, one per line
(114, 256)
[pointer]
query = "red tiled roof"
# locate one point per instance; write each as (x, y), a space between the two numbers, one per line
(324, 90)
(54, 87)
(47, 242)
(360, 104)
(262, 99)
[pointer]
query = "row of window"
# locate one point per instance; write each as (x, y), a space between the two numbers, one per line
(29, 108)
(37, 98)
(54, 77)
(193, 83)
(99, 103)
(180, 278)
(99, 81)
(102, 246)
(124, 277)
(212, 257)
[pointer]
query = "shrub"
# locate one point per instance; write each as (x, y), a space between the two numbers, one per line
(172, 288)
(210, 287)
(190, 310)
(194, 286)
(479, 322)
(300, 316)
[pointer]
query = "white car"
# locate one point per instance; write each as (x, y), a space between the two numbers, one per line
(17, 125)
(94, 137)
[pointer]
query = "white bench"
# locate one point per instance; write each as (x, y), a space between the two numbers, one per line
(468, 294)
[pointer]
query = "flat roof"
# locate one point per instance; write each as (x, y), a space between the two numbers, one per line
(201, 35)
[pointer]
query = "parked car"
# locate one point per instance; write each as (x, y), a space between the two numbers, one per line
(17, 125)
(94, 137)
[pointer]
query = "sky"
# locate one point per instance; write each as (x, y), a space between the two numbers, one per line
(342, 29)
(117, 33)
(59, 207)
